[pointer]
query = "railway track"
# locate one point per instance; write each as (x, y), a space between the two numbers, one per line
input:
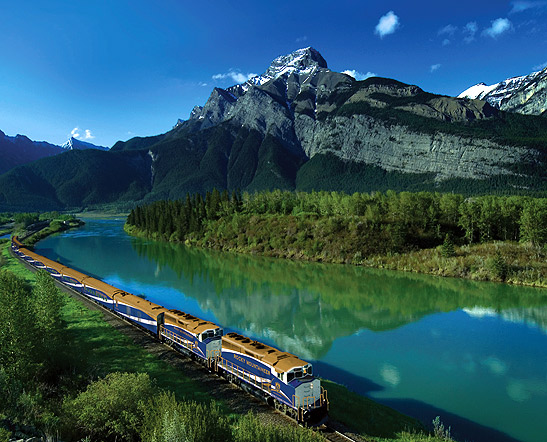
(333, 435)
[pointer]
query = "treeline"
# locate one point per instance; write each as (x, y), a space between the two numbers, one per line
(412, 220)
(25, 219)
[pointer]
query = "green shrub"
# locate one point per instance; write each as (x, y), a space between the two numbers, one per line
(4, 435)
(447, 248)
(166, 420)
(250, 429)
(111, 408)
(498, 266)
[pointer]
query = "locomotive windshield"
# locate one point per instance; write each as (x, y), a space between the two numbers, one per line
(299, 372)
(211, 334)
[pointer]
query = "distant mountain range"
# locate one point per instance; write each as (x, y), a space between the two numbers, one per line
(526, 94)
(76, 144)
(302, 126)
(19, 150)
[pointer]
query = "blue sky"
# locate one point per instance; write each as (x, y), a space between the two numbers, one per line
(119, 69)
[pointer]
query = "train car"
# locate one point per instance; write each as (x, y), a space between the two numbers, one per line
(32, 258)
(43, 263)
(279, 376)
(73, 279)
(199, 337)
(138, 310)
(99, 291)
(16, 245)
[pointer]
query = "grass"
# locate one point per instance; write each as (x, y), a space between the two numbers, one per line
(524, 264)
(11, 264)
(104, 350)
(366, 416)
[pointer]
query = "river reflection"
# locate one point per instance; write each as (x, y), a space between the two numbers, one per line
(475, 353)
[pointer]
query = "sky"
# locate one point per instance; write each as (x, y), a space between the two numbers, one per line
(111, 70)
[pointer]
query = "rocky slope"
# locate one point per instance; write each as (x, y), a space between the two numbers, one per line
(526, 94)
(312, 110)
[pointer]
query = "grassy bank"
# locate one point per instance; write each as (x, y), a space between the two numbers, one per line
(102, 350)
(55, 226)
(509, 262)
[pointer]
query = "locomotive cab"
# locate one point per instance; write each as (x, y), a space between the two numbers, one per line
(211, 338)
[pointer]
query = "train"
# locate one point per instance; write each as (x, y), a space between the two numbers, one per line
(281, 379)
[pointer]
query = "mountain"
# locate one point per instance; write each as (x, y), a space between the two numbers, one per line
(301, 126)
(76, 144)
(18, 150)
(526, 94)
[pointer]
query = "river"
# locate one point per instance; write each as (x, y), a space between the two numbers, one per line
(473, 353)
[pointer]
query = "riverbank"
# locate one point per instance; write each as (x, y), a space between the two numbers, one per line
(33, 227)
(367, 418)
(48, 228)
(509, 262)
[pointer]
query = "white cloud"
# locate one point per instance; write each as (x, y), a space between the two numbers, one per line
(302, 39)
(388, 24)
(448, 30)
(75, 132)
(390, 374)
(446, 42)
(434, 67)
(202, 83)
(495, 365)
(238, 77)
(359, 76)
(520, 6)
(469, 31)
(499, 26)
(88, 135)
(540, 67)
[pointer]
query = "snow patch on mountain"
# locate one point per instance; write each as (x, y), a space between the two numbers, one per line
(75, 144)
(497, 93)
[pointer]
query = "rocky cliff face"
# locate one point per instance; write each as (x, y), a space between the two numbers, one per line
(397, 148)
(313, 110)
(525, 94)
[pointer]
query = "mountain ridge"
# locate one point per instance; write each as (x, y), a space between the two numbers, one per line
(76, 144)
(309, 128)
(19, 150)
(526, 94)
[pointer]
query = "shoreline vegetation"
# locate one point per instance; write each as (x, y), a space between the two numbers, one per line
(53, 392)
(33, 227)
(485, 238)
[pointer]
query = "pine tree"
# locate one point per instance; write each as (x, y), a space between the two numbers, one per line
(447, 248)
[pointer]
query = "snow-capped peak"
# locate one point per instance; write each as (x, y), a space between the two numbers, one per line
(75, 144)
(495, 93)
(301, 61)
